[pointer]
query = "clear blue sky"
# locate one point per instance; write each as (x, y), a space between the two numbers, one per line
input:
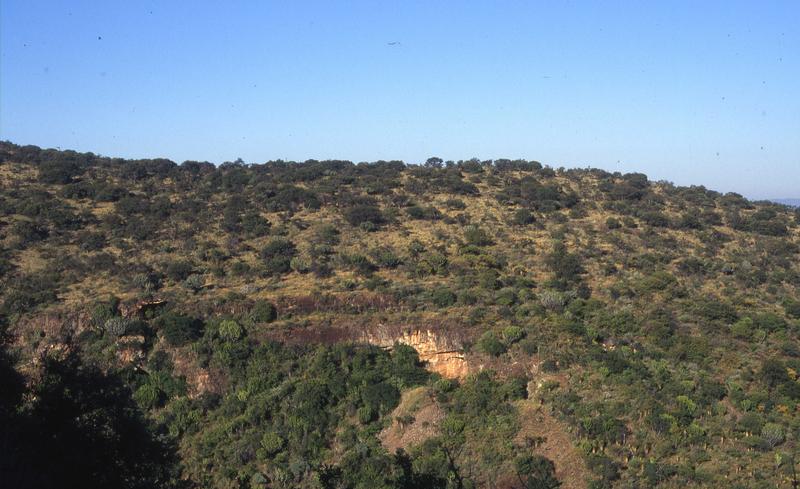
(692, 92)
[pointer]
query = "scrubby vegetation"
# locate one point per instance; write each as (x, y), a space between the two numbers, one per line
(200, 326)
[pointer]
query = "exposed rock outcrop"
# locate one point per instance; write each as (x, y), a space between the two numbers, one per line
(441, 352)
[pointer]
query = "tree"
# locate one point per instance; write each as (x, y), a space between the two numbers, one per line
(523, 217)
(178, 329)
(58, 171)
(536, 472)
(476, 236)
(81, 428)
(277, 256)
(434, 162)
(364, 214)
(489, 344)
(566, 267)
(263, 312)
(773, 372)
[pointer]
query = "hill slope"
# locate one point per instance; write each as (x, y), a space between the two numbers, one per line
(654, 326)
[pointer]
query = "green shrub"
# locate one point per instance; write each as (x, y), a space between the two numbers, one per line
(476, 236)
(59, 170)
(277, 256)
(536, 472)
(385, 257)
(467, 297)
(271, 444)
(364, 214)
(29, 232)
(263, 312)
(657, 281)
(429, 213)
(255, 225)
(513, 334)
(773, 435)
(194, 282)
(743, 328)
(326, 234)
(358, 262)
(178, 270)
(455, 204)
(566, 267)
(300, 264)
(149, 396)
(230, 330)
(506, 296)
(90, 241)
(489, 344)
(792, 308)
(443, 297)
(529, 346)
(178, 329)
(769, 322)
(116, 326)
(523, 217)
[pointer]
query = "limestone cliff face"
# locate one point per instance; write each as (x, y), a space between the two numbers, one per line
(440, 352)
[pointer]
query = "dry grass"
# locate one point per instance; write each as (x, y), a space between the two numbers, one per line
(416, 404)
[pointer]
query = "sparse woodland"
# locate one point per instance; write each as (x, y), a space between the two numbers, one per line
(192, 325)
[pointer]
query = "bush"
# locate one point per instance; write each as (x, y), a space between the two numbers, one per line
(149, 396)
(713, 309)
(326, 234)
(291, 198)
(489, 344)
(523, 217)
(429, 213)
(89, 241)
(277, 256)
(773, 372)
(773, 435)
(359, 263)
(271, 444)
(229, 330)
(506, 296)
(455, 204)
(26, 292)
(58, 171)
(743, 328)
(116, 326)
(254, 225)
(178, 329)
(476, 236)
(552, 300)
(194, 282)
(566, 267)
(385, 257)
(769, 322)
(263, 312)
(443, 297)
(513, 334)
(792, 308)
(29, 232)
(657, 281)
(148, 282)
(361, 214)
(536, 471)
(178, 271)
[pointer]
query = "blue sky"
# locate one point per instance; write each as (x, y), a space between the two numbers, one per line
(691, 92)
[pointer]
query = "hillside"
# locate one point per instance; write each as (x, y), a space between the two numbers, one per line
(293, 324)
